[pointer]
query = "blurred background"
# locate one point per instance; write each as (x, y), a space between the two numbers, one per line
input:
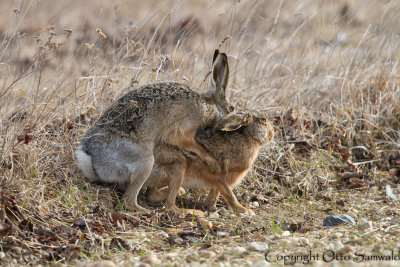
(280, 52)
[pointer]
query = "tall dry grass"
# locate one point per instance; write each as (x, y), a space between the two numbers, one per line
(326, 71)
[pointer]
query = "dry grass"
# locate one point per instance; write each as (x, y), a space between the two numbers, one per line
(326, 71)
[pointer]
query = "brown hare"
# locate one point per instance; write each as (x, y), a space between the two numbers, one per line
(118, 148)
(234, 142)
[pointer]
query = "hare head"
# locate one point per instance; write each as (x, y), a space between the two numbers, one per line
(261, 128)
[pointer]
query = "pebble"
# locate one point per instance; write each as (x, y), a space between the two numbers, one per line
(285, 233)
(16, 250)
(334, 220)
(335, 246)
(222, 234)
(364, 225)
(238, 251)
(151, 259)
(261, 263)
(373, 189)
(206, 224)
(352, 214)
(304, 241)
(186, 225)
(319, 244)
(257, 246)
(216, 249)
(345, 249)
(336, 235)
(256, 204)
(208, 254)
(2, 255)
(214, 215)
(102, 264)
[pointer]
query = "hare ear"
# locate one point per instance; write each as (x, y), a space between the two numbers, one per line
(233, 121)
(216, 52)
(220, 74)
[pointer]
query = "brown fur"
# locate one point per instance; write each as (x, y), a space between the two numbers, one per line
(235, 152)
(118, 148)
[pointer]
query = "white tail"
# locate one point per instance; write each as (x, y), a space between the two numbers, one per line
(85, 164)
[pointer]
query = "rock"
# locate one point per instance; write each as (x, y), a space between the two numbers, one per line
(261, 263)
(319, 244)
(352, 214)
(285, 233)
(373, 189)
(345, 249)
(208, 254)
(335, 246)
(2, 255)
(206, 224)
(334, 220)
(238, 251)
(186, 225)
(256, 204)
(222, 234)
(365, 225)
(257, 246)
(151, 259)
(216, 249)
(336, 235)
(16, 250)
(214, 215)
(304, 241)
(102, 264)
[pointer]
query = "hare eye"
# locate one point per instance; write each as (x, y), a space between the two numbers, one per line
(231, 108)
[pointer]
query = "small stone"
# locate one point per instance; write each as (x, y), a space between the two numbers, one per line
(238, 251)
(352, 214)
(335, 246)
(216, 249)
(373, 189)
(364, 225)
(206, 224)
(2, 255)
(208, 254)
(261, 263)
(151, 259)
(285, 233)
(345, 249)
(334, 220)
(222, 234)
(256, 204)
(186, 225)
(257, 246)
(336, 235)
(102, 264)
(222, 210)
(304, 241)
(214, 215)
(319, 244)
(16, 250)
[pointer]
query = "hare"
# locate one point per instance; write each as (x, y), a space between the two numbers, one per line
(234, 142)
(118, 148)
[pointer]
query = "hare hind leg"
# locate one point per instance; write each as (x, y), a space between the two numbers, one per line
(126, 164)
(190, 144)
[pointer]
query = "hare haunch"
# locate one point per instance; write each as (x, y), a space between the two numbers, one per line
(234, 142)
(118, 148)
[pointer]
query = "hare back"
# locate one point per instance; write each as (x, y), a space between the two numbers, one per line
(161, 110)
